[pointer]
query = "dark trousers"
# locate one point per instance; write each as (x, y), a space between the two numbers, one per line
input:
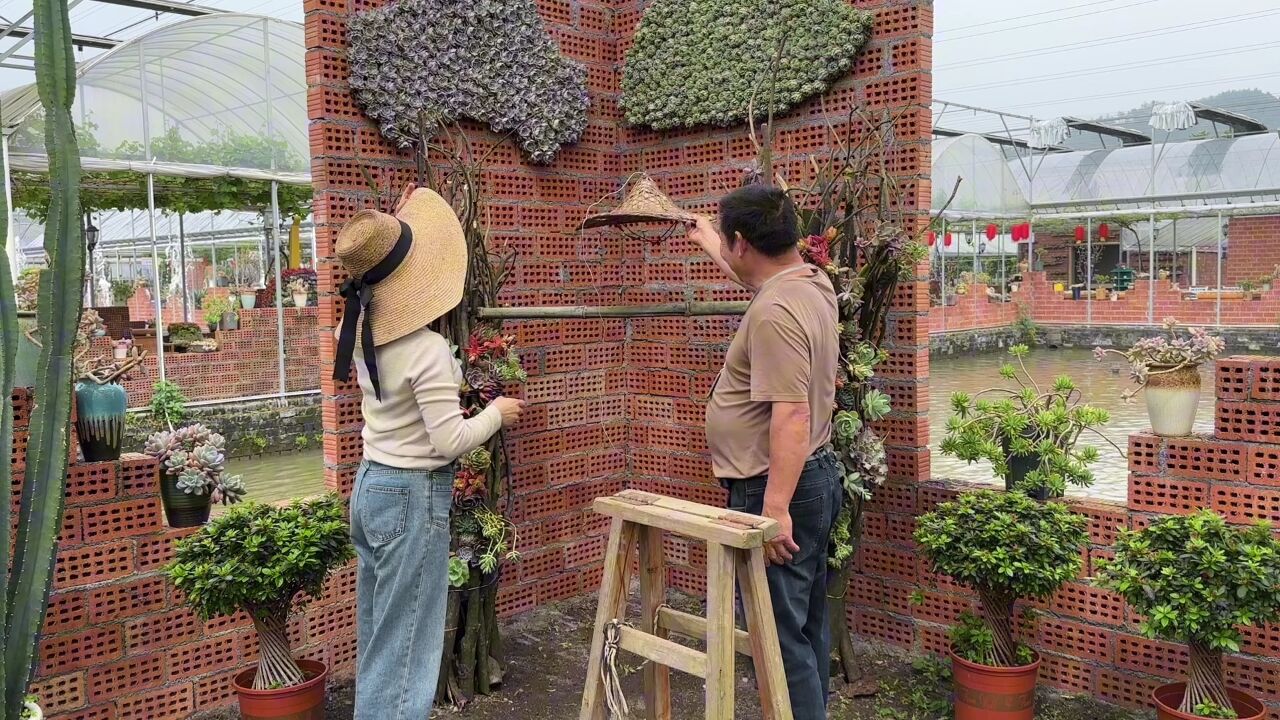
(799, 588)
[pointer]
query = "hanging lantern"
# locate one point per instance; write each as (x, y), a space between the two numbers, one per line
(1104, 231)
(1015, 232)
(1079, 234)
(947, 240)
(933, 238)
(992, 231)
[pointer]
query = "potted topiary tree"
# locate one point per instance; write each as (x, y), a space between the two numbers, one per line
(1004, 546)
(1028, 433)
(1197, 580)
(267, 561)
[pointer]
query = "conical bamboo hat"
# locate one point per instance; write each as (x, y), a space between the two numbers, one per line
(644, 203)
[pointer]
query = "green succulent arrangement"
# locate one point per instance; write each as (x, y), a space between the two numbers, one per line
(197, 457)
(1040, 425)
(1005, 546)
(677, 78)
(1197, 580)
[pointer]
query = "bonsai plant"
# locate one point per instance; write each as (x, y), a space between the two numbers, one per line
(183, 334)
(1168, 367)
(1029, 434)
(1005, 546)
(192, 463)
(266, 561)
(1197, 580)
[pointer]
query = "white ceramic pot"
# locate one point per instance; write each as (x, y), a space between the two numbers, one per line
(34, 711)
(1172, 399)
(119, 352)
(248, 300)
(300, 299)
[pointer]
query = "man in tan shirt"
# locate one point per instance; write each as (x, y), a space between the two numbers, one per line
(769, 420)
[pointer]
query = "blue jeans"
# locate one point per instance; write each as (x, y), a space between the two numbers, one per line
(799, 588)
(400, 528)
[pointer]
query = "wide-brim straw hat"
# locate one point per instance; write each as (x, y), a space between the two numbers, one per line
(429, 281)
(643, 203)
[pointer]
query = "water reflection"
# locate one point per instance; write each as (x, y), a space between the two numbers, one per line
(271, 478)
(1101, 384)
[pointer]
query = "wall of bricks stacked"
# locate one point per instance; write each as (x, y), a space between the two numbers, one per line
(118, 642)
(1088, 636)
(1253, 248)
(972, 311)
(1049, 307)
(614, 403)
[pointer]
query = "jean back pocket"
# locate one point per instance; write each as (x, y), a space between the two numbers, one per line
(384, 512)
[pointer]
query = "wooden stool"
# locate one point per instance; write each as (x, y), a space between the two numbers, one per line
(735, 548)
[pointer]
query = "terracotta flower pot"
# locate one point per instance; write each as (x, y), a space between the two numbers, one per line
(1172, 400)
(1168, 697)
(300, 702)
(994, 693)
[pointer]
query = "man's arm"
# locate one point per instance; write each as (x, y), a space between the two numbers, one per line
(788, 451)
(705, 234)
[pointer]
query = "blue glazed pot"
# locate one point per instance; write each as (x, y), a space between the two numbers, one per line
(100, 413)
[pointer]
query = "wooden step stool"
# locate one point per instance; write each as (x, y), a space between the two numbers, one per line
(735, 548)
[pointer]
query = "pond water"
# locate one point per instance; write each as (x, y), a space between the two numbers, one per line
(271, 478)
(1101, 384)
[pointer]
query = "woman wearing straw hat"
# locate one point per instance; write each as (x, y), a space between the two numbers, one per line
(407, 270)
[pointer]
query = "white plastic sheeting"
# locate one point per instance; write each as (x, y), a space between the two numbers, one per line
(226, 91)
(987, 183)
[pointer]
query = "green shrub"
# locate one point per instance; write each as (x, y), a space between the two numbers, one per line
(1197, 580)
(183, 334)
(264, 560)
(168, 404)
(1005, 546)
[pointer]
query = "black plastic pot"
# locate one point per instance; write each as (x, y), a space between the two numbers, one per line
(1019, 467)
(182, 509)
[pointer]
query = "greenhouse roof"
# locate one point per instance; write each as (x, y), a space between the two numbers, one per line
(217, 95)
(987, 183)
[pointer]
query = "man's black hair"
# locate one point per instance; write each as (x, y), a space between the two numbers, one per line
(765, 216)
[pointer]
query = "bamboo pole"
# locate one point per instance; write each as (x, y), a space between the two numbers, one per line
(686, 309)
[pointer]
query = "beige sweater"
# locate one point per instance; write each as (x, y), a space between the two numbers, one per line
(418, 424)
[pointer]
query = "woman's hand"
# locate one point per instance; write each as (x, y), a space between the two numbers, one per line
(510, 409)
(404, 197)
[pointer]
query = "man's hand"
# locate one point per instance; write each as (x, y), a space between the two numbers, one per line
(704, 233)
(781, 548)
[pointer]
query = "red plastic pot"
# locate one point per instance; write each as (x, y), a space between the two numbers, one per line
(994, 693)
(300, 702)
(1169, 697)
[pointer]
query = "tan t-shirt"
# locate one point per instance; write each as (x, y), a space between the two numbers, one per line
(785, 350)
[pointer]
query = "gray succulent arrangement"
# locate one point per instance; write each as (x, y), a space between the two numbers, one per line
(197, 457)
(487, 60)
(677, 78)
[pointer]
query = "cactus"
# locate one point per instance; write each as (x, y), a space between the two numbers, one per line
(59, 307)
(8, 357)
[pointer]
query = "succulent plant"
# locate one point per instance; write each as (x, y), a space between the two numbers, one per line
(488, 60)
(196, 456)
(677, 78)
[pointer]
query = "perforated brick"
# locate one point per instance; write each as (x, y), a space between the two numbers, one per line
(1144, 454)
(1125, 688)
(1088, 603)
(1250, 421)
(66, 612)
(163, 630)
(1161, 495)
(1066, 673)
(120, 519)
(1074, 639)
(85, 648)
(941, 607)
(1232, 378)
(194, 659)
(60, 693)
(126, 677)
(93, 564)
(137, 475)
(1152, 657)
(1244, 504)
(884, 627)
(887, 562)
(91, 482)
(169, 703)
(1258, 677)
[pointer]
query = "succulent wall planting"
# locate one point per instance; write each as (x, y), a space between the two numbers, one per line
(434, 62)
(677, 78)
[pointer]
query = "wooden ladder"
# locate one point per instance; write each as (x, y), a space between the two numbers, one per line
(735, 550)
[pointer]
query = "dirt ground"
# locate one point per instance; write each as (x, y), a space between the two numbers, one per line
(547, 657)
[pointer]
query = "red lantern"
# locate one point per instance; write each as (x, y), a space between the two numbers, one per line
(992, 231)
(947, 241)
(1079, 233)
(933, 238)
(1104, 231)
(1015, 232)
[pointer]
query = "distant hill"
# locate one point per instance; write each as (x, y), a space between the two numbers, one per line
(1257, 104)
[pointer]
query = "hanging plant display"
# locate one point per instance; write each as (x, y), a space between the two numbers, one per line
(726, 70)
(418, 65)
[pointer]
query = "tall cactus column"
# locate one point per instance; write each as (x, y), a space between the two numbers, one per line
(59, 308)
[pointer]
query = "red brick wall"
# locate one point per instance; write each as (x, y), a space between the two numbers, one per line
(1049, 307)
(118, 642)
(972, 311)
(1253, 248)
(1088, 637)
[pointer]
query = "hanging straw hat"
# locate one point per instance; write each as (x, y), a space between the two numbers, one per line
(406, 270)
(427, 283)
(643, 203)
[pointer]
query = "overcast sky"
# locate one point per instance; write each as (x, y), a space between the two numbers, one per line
(1032, 57)
(1048, 58)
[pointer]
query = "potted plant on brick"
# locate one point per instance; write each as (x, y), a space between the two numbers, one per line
(218, 313)
(1197, 580)
(267, 561)
(31, 708)
(1029, 433)
(181, 335)
(1005, 546)
(192, 461)
(300, 291)
(1168, 368)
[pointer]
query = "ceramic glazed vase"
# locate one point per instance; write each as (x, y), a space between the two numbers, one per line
(100, 413)
(301, 702)
(182, 509)
(248, 300)
(994, 693)
(1168, 697)
(1172, 399)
